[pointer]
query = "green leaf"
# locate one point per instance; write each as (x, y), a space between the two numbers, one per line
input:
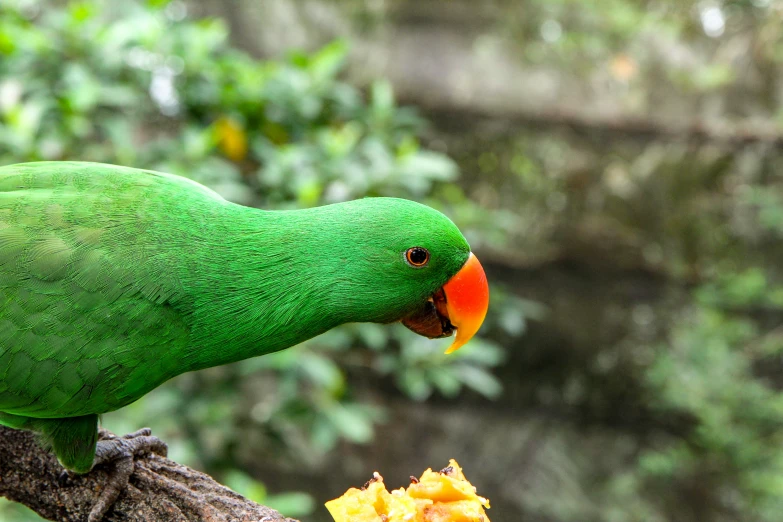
(81, 11)
(480, 380)
(328, 61)
(292, 504)
(7, 45)
(322, 371)
(353, 423)
(414, 383)
(246, 486)
(445, 381)
(382, 97)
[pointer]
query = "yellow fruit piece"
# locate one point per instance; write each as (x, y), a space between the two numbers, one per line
(459, 511)
(438, 496)
(232, 138)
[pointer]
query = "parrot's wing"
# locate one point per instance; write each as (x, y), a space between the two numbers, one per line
(87, 321)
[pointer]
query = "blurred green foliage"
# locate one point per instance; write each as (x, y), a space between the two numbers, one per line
(663, 251)
(693, 381)
(141, 84)
(721, 372)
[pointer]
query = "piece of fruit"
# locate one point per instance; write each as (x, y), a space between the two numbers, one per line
(438, 496)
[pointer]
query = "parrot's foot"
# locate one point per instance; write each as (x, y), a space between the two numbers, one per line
(119, 452)
(64, 478)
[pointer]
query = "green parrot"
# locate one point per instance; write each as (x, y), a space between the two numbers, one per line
(114, 280)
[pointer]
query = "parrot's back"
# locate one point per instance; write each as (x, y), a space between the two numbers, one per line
(92, 312)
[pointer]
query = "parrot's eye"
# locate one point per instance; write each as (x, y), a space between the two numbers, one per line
(417, 256)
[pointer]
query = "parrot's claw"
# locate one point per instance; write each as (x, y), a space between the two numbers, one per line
(143, 432)
(64, 477)
(119, 452)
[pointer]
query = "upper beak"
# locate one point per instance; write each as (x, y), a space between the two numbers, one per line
(462, 304)
(467, 300)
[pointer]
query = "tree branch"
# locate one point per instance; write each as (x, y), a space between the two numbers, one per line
(159, 489)
(730, 133)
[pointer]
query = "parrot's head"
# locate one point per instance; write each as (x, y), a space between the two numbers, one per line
(403, 261)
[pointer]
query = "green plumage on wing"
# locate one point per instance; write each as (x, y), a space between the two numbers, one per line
(114, 280)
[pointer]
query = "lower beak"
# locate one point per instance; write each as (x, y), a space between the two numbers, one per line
(461, 304)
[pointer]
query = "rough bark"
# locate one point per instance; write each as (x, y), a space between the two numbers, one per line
(159, 489)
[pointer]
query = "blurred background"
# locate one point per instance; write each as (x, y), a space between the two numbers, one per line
(613, 163)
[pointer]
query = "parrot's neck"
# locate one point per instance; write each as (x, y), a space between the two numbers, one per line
(260, 285)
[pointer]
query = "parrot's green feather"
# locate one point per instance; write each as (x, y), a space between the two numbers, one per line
(113, 280)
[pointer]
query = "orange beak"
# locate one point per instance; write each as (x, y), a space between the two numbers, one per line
(467, 300)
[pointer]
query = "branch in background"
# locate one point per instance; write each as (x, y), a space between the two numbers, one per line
(159, 489)
(731, 133)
